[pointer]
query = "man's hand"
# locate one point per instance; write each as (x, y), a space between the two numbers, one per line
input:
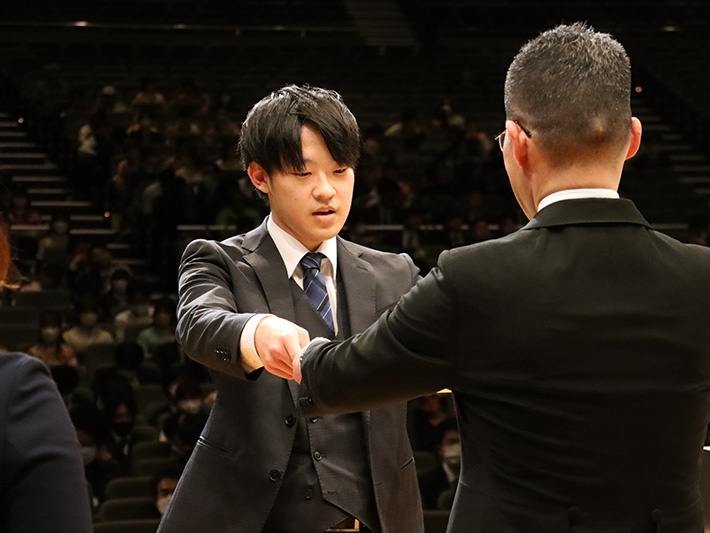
(279, 344)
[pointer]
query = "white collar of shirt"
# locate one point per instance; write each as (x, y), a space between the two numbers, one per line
(292, 251)
(576, 194)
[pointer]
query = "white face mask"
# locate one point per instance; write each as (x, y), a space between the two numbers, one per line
(452, 454)
(88, 454)
(88, 320)
(50, 334)
(190, 406)
(162, 504)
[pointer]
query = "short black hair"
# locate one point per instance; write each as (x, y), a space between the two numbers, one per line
(271, 132)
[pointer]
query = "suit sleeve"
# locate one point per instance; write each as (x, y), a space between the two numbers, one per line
(210, 323)
(44, 488)
(407, 352)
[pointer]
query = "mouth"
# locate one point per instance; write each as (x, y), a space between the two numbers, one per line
(324, 212)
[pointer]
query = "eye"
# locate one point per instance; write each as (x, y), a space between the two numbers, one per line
(303, 174)
(341, 170)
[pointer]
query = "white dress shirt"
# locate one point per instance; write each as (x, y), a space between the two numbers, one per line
(291, 251)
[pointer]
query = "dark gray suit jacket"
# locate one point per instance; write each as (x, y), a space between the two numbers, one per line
(578, 352)
(233, 476)
(42, 484)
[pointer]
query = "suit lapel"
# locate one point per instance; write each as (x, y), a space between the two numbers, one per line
(269, 268)
(360, 287)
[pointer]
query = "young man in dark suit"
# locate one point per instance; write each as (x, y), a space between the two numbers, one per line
(259, 466)
(577, 348)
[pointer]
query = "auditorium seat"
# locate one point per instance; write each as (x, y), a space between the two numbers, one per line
(127, 509)
(435, 520)
(127, 526)
(130, 487)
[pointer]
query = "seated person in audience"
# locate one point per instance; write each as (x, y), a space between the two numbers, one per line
(120, 410)
(67, 379)
(127, 371)
(115, 298)
(139, 312)
(425, 413)
(162, 330)
(50, 347)
(86, 331)
(164, 484)
(99, 467)
(186, 397)
(445, 476)
(182, 430)
(148, 95)
(54, 246)
(46, 277)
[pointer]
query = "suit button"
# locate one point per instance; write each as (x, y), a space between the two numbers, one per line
(274, 475)
(309, 494)
(317, 456)
(290, 420)
(313, 420)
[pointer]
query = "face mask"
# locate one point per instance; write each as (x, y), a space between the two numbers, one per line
(141, 310)
(88, 320)
(452, 454)
(120, 284)
(190, 406)
(162, 504)
(50, 335)
(88, 454)
(122, 428)
(61, 227)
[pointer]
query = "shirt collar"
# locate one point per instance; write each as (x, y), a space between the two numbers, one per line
(575, 194)
(292, 250)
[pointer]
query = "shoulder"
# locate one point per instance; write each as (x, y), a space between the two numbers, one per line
(19, 369)
(377, 258)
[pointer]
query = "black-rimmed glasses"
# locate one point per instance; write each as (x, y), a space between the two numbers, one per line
(501, 136)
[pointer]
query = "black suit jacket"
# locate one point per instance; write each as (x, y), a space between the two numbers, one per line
(42, 484)
(578, 352)
(233, 476)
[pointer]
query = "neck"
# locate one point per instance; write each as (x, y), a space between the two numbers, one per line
(575, 177)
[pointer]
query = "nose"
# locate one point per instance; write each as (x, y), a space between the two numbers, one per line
(323, 188)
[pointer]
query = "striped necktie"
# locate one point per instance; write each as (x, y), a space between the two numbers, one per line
(314, 286)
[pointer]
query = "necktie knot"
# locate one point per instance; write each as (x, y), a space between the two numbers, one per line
(311, 260)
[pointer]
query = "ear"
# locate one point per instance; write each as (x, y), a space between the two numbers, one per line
(635, 138)
(258, 177)
(519, 141)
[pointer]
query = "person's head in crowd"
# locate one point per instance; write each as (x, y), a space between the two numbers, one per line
(309, 133)
(119, 280)
(188, 397)
(92, 431)
(189, 429)
(87, 313)
(139, 302)
(50, 328)
(164, 484)
(128, 357)
(120, 411)
(67, 379)
(59, 224)
(567, 99)
(164, 314)
(479, 230)
(448, 443)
